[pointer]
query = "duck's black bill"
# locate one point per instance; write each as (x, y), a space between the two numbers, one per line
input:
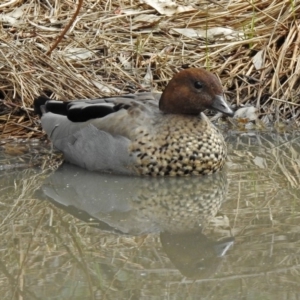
(219, 104)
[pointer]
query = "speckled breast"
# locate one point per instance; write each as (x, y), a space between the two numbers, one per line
(179, 146)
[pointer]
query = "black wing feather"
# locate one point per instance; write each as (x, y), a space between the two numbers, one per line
(74, 113)
(83, 114)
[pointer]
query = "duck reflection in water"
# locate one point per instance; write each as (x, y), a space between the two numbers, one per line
(182, 210)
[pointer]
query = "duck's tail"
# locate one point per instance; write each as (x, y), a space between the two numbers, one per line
(39, 105)
(43, 104)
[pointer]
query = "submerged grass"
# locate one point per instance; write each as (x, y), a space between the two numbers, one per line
(128, 46)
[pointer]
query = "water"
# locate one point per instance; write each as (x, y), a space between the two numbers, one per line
(72, 234)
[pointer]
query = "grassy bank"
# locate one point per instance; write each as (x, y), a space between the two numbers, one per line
(114, 47)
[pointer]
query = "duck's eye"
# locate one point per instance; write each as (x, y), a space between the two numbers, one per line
(198, 85)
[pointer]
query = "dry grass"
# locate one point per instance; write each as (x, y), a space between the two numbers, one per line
(126, 46)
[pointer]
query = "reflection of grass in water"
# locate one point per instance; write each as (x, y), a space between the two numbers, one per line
(47, 253)
(50, 246)
(267, 216)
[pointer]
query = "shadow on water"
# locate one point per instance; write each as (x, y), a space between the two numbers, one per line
(232, 235)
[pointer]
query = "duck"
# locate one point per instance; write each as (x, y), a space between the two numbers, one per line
(142, 134)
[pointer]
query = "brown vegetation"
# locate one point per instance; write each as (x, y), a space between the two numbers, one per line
(126, 46)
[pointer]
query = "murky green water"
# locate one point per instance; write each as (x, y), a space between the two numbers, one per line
(71, 234)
